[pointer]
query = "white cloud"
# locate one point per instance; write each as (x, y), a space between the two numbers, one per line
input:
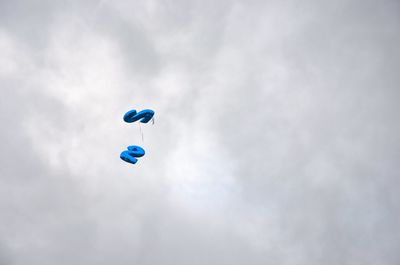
(275, 141)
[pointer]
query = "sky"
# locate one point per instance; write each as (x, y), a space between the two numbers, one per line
(276, 136)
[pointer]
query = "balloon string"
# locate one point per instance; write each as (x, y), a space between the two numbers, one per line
(140, 127)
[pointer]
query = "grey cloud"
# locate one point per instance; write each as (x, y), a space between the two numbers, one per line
(321, 142)
(276, 136)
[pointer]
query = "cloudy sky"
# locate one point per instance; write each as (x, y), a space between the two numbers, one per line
(276, 136)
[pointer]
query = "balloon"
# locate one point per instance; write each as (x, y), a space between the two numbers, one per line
(133, 150)
(144, 116)
(131, 154)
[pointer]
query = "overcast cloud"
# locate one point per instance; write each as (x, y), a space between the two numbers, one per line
(276, 136)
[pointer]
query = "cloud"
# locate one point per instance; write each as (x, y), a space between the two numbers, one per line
(276, 134)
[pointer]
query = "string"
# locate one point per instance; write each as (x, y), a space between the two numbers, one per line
(140, 127)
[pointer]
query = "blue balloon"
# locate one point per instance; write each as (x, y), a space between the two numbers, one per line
(131, 154)
(127, 157)
(139, 152)
(135, 151)
(144, 116)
